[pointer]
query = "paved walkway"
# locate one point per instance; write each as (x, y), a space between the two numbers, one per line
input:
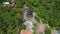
(30, 21)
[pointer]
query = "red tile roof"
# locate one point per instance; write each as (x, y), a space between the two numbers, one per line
(25, 32)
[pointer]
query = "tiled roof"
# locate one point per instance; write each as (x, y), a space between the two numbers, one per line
(25, 32)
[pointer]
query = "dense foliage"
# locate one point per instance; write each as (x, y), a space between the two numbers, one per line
(47, 10)
(48, 30)
(10, 20)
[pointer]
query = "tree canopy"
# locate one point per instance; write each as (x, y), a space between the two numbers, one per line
(48, 11)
